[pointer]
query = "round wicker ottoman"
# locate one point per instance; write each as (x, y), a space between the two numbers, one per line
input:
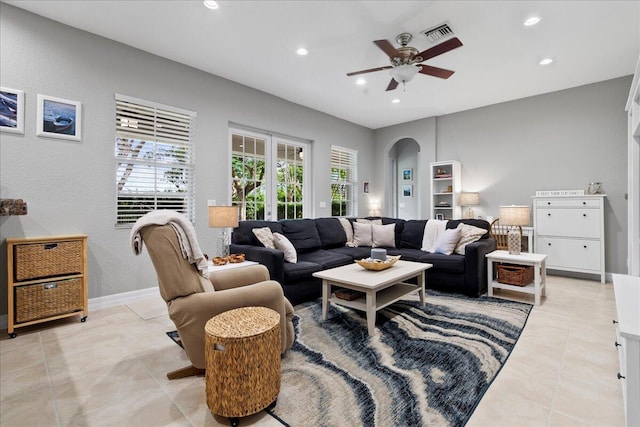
(242, 351)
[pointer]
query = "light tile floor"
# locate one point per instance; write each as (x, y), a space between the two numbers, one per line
(110, 371)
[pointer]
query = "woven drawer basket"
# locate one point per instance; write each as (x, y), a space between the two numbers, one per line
(515, 274)
(37, 260)
(48, 299)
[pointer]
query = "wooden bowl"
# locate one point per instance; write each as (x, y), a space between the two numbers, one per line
(236, 258)
(219, 260)
(378, 265)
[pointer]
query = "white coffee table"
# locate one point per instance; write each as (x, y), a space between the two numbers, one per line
(380, 288)
(538, 261)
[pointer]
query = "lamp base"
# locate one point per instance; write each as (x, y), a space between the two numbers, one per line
(468, 214)
(514, 240)
(223, 244)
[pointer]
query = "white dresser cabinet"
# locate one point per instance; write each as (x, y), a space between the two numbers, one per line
(570, 231)
(627, 322)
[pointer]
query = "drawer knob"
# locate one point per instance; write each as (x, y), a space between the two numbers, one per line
(549, 244)
(615, 321)
(618, 344)
(620, 377)
(548, 214)
(548, 203)
(584, 203)
(584, 215)
(585, 246)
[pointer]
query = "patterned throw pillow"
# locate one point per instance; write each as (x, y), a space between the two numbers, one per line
(265, 236)
(468, 234)
(283, 244)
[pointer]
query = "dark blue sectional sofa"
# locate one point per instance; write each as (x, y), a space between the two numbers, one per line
(320, 244)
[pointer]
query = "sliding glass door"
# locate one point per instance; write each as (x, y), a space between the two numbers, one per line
(269, 176)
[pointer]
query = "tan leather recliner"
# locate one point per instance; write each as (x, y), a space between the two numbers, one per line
(192, 300)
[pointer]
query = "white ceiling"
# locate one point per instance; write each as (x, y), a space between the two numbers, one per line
(254, 43)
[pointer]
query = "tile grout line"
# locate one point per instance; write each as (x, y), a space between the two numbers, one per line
(54, 400)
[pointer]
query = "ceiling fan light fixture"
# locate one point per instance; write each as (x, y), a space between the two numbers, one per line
(361, 81)
(404, 73)
(546, 61)
(531, 21)
(210, 4)
(302, 51)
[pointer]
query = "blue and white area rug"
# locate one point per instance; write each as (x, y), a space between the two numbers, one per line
(426, 366)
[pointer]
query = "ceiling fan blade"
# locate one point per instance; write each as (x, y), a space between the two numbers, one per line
(440, 49)
(436, 72)
(392, 85)
(386, 47)
(370, 70)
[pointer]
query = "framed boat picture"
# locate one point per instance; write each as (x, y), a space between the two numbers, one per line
(59, 118)
(11, 110)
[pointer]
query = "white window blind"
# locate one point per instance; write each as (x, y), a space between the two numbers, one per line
(344, 181)
(155, 159)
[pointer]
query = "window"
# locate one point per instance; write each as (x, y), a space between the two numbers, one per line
(268, 172)
(344, 181)
(154, 159)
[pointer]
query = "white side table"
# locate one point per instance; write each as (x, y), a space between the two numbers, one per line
(538, 261)
(230, 265)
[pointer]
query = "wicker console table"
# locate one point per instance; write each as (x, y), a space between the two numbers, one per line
(47, 279)
(242, 351)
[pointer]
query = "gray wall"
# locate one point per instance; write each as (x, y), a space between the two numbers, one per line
(557, 141)
(70, 186)
(407, 152)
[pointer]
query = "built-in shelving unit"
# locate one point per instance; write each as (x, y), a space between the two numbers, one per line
(446, 185)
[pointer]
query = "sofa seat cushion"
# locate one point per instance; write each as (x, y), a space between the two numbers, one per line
(302, 233)
(302, 270)
(331, 232)
(453, 263)
(407, 254)
(355, 252)
(326, 259)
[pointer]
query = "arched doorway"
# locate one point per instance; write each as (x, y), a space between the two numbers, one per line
(404, 179)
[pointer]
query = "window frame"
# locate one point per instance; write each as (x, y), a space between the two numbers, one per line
(351, 185)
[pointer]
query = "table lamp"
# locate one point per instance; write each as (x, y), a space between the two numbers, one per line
(224, 217)
(468, 200)
(514, 217)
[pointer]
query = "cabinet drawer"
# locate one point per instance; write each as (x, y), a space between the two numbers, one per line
(578, 222)
(568, 203)
(48, 299)
(37, 260)
(570, 253)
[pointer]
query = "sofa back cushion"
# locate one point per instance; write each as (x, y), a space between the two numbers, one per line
(243, 233)
(480, 223)
(331, 232)
(302, 233)
(412, 233)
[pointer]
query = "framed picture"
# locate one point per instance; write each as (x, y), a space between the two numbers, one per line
(365, 187)
(407, 191)
(407, 174)
(439, 216)
(59, 118)
(11, 110)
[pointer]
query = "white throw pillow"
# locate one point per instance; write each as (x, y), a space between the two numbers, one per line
(383, 235)
(283, 244)
(369, 221)
(448, 241)
(468, 234)
(348, 230)
(361, 234)
(265, 236)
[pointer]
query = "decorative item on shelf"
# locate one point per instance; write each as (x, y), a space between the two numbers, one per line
(594, 188)
(376, 264)
(444, 205)
(219, 260)
(468, 200)
(236, 258)
(223, 217)
(515, 217)
(449, 189)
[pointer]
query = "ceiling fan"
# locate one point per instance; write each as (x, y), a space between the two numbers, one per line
(405, 61)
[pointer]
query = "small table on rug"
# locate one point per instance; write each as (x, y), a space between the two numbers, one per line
(380, 288)
(242, 356)
(538, 261)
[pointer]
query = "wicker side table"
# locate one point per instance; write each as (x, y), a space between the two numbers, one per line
(242, 351)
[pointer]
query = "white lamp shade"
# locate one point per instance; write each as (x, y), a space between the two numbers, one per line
(469, 199)
(514, 215)
(223, 216)
(404, 73)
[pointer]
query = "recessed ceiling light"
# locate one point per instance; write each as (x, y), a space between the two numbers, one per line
(546, 61)
(360, 81)
(302, 51)
(211, 4)
(395, 101)
(531, 21)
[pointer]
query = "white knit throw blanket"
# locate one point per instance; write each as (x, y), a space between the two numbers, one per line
(184, 230)
(434, 229)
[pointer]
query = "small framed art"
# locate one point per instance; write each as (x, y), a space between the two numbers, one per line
(439, 216)
(407, 174)
(59, 118)
(11, 110)
(407, 191)
(365, 187)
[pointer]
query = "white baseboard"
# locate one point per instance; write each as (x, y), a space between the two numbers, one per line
(107, 301)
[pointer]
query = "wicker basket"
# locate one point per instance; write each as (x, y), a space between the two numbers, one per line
(348, 294)
(48, 299)
(517, 275)
(37, 260)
